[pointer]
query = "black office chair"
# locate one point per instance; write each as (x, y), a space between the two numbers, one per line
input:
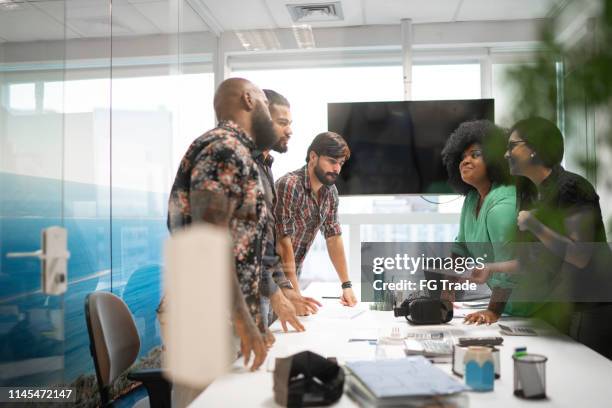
(114, 345)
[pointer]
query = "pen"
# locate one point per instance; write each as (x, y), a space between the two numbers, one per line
(330, 297)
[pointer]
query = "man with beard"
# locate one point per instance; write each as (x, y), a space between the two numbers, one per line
(307, 200)
(218, 182)
(285, 302)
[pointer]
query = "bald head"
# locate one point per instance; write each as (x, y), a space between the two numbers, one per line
(241, 101)
(236, 95)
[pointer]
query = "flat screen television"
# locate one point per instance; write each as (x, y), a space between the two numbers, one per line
(396, 146)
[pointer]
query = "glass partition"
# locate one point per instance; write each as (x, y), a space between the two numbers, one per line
(97, 106)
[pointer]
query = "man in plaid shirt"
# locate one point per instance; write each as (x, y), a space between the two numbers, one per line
(307, 201)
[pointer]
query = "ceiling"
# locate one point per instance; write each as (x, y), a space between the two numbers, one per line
(36, 20)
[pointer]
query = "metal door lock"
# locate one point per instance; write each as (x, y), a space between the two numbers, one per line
(54, 260)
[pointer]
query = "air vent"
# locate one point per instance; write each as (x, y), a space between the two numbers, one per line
(315, 12)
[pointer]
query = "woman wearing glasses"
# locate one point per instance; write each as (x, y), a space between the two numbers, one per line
(474, 160)
(563, 269)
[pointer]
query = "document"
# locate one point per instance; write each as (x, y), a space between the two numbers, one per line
(407, 377)
(331, 311)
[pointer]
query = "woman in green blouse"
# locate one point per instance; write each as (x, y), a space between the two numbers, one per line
(474, 160)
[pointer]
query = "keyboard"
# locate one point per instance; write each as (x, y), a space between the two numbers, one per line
(429, 348)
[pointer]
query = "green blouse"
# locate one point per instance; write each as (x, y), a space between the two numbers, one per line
(491, 232)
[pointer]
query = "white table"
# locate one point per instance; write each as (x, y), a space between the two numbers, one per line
(576, 376)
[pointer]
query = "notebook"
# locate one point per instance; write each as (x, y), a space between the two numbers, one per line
(402, 378)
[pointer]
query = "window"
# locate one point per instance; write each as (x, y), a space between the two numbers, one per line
(309, 91)
(452, 81)
(504, 93)
(22, 97)
(53, 97)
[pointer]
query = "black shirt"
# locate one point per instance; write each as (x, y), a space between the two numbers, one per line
(273, 275)
(561, 195)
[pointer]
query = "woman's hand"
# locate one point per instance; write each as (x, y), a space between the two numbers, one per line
(524, 220)
(480, 275)
(481, 317)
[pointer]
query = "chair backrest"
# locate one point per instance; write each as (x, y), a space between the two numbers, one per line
(113, 338)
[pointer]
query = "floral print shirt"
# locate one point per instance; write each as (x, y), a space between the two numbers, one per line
(220, 161)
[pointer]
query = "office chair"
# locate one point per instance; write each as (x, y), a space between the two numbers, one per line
(114, 346)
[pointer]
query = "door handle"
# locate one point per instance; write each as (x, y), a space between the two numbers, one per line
(54, 257)
(37, 254)
(34, 254)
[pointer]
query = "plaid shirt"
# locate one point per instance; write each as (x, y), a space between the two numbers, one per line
(300, 215)
(220, 161)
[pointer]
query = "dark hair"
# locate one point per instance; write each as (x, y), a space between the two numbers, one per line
(543, 137)
(546, 140)
(493, 141)
(329, 144)
(275, 98)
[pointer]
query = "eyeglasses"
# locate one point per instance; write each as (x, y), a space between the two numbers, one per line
(513, 144)
(474, 154)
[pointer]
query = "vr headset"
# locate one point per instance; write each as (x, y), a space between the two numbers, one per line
(425, 311)
(307, 379)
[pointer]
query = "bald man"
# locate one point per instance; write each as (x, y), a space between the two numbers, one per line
(218, 182)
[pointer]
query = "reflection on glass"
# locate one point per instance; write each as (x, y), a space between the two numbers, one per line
(32, 325)
(22, 97)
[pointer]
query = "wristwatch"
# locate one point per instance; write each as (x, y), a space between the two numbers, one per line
(286, 284)
(347, 285)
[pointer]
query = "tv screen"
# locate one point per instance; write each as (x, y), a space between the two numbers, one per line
(396, 146)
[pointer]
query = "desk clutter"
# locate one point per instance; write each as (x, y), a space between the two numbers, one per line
(400, 382)
(403, 373)
(405, 369)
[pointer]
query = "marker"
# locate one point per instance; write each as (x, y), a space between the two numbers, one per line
(520, 351)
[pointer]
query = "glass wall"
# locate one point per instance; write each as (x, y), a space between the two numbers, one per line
(36, 327)
(96, 110)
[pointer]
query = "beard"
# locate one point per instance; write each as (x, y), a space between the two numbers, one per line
(263, 129)
(281, 146)
(328, 178)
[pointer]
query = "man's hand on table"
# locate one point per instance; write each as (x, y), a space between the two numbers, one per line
(285, 311)
(348, 297)
(304, 306)
(251, 340)
(269, 338)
